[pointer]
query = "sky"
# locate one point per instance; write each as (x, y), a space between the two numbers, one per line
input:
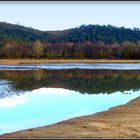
(64, 15)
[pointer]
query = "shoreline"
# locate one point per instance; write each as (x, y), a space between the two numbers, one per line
(122, 121)
(43, 61)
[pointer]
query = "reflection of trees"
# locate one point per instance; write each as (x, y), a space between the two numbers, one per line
(128, 75)
(89, 81)
(38, 74)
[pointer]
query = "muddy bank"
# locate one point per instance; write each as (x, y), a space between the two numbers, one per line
(118, 122)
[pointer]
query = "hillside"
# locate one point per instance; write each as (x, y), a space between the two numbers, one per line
(108, 34)
(17, 32)
(94, 33)
(85, 41)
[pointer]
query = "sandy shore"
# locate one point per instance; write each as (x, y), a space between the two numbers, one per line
(118, 122)
(41, 61)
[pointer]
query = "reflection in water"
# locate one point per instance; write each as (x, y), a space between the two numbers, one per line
(6, 89)
(11, 102)
(84, 81)
(49, 96)
(46, 106)
(66, 66)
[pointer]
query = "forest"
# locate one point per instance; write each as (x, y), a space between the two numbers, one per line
(85, 41)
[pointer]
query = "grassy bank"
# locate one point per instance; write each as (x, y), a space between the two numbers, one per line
(41, 61)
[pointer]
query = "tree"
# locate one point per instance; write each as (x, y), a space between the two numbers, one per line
(38, 49)
(88, 50)
(129, 49)
(9, 49)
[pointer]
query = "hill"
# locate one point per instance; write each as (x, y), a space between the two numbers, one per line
(17, 32)
(108, 34)
(85, 41)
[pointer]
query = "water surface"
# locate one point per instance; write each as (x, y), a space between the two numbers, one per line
(115, 66)
(38, 97)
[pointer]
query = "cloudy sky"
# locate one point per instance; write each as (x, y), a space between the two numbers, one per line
(64, 15)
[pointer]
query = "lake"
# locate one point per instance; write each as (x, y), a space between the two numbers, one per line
(39, 95)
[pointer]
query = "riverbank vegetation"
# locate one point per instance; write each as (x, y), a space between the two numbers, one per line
(86, 41)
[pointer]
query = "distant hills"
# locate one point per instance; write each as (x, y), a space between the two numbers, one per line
(94, 33)
(18, 32)
(85, 41)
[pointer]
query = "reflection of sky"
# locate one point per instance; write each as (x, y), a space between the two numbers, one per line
(112, 66)
(12, 102)
(50, 105)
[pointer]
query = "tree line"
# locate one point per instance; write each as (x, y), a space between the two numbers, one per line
(91, 41)
(89, 50)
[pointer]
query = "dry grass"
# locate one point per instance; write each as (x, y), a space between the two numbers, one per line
(41, 61)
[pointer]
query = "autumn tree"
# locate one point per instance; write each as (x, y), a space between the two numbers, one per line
(78, 50)
(129, 49)
(9, 49)
(38, 49)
